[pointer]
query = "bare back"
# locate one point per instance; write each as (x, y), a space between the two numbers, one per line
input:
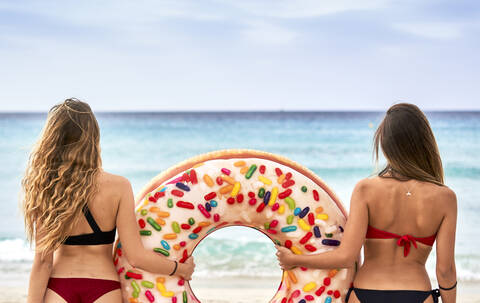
(92, 261)
(391, 209)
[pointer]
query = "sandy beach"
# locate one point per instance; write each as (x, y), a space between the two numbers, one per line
(227, 290)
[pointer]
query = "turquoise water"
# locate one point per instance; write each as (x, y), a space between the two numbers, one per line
(336, 146)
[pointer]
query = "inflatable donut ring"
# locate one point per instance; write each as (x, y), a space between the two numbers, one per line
(272, 194)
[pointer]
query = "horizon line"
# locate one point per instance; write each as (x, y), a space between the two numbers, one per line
(2, 112)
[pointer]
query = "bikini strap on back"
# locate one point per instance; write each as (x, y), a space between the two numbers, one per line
(91, 220)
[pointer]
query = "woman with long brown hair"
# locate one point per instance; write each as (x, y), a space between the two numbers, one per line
(397, 216)
(72, 209)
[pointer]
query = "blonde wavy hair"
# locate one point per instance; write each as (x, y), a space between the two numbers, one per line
(60, 178)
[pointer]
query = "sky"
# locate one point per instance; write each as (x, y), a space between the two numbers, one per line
(221, 55)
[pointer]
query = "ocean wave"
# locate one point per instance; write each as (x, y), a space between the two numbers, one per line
(15, 250)
(225, 257)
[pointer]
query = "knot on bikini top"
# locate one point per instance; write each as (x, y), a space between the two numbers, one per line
(406, 241)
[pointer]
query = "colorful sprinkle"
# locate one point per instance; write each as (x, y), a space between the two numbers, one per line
(184, 204)
(320, 291)
(266, 198)
(309, 286)
(154, 224)
(226, 189)
(147, 284)
(182, 186)
(177, 193)
(236, 189)
(306, 238)
(203, 211)
(273, 196)
(240, 163)
(290, 219)
(170, 236)
(193, 177)
(228, 179)
(285, 194)
(278, 172)
(134, 276)
(135, 286)
(208, 180)
(288, 183)
(304, 212)
(287, 229)
(165, 244)
(261, 192)
(295, 250)
(322, 216)
(303, 225)
(250, 171)
(210, 196)
(330, 242)
(262, 169)
(264, 180)
(162, 251)
(290, 202)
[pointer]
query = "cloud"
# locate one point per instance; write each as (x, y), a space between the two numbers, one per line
(432, 30)
(303, 8)
(261, 32)
(270, 53)
(148, 22)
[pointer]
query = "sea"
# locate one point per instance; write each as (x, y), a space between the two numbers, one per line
(337, 146)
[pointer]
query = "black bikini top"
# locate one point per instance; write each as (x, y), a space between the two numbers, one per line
(96, 238)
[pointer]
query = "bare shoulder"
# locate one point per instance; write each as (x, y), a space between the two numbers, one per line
(367, 184)
(439, 198)
(113, 181)
(365, 187)
(445, 197)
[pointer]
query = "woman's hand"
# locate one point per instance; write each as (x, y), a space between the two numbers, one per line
(186, 269)
(285, 258)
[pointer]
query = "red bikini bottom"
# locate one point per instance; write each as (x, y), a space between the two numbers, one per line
(82, 290)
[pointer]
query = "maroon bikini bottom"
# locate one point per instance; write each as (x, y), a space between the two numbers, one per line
(82, 290)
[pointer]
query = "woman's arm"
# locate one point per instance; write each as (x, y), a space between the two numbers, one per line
(133, 247)
(352, 241)
(446, 272)
(41, 269)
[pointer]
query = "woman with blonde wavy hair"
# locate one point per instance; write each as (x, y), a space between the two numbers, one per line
(72, 209)
(397, 216)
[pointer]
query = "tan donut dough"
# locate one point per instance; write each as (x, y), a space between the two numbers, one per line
(157, 207)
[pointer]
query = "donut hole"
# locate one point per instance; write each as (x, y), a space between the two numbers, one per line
(235, 264)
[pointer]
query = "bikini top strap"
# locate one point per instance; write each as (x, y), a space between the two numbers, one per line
(91, 220)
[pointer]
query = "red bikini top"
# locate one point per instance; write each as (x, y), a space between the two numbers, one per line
(405, 240)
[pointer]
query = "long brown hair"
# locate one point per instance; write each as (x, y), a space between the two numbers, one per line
(60, 178)
(408, 143)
